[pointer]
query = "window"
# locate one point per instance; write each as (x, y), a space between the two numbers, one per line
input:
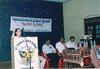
(92, 26)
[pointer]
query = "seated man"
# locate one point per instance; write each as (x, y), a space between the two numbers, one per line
(71, 43)
(50, 51)
(60, 46)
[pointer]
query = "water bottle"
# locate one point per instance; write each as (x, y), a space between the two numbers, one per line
(91, 44)
(84, 43)
(94, 44)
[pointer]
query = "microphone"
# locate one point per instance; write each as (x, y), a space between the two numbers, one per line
(22, 31)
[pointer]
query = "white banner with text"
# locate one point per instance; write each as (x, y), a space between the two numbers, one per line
(31, 24)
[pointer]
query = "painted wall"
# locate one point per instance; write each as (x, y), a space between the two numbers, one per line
(34, 9)
(74, 13)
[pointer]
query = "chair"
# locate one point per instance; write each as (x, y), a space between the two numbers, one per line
(47, 64)
(60, 63)
(47, 60)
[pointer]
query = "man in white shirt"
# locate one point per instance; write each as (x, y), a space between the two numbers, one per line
(71, 43)
(48, 48)
(60, 46)
(50, 51)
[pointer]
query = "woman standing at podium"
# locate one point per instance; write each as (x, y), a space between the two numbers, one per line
(16, 33)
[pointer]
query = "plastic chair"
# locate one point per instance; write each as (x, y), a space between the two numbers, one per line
(47, 64)
(60, 63)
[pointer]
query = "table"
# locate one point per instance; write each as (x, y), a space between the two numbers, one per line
(74, 56)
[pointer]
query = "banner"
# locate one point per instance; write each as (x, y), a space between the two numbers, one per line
(25, 53)
(31, 24)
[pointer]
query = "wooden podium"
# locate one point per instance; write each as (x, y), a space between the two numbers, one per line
(24, 53)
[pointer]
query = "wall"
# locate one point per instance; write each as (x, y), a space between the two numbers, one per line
(74, 13)
(34, 9)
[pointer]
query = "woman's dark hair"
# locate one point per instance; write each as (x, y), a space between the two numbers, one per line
(72, 37)
(16, 30)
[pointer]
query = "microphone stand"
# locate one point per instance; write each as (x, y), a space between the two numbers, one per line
(28, 51)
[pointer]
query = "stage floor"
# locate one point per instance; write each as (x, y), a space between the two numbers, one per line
(5, 65)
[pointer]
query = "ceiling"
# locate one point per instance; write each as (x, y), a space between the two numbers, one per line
(58, 0)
